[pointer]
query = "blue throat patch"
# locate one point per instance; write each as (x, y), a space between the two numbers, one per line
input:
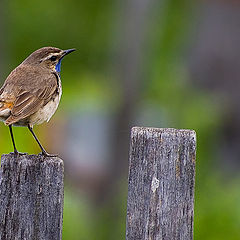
(58, 66)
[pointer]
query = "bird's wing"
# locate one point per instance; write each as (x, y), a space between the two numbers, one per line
(31, 92)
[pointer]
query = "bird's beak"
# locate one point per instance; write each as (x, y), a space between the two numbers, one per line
(66, 52)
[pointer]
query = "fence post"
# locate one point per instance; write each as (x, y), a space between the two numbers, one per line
(161, 184)
(31, 197)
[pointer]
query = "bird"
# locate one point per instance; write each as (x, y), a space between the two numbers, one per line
(31, 93)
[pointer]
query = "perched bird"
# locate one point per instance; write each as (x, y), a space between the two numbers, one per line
(31, 93)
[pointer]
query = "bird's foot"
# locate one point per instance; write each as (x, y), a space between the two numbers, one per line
(46, 154)
(17, 153)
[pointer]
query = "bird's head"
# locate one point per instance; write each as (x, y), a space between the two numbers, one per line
(48, 57)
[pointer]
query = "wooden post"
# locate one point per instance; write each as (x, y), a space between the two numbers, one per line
(161, 184)
(31, 197)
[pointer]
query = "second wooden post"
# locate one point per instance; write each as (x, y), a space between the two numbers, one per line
(161, 184)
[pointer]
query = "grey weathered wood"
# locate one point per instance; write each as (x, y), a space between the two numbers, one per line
(31, 197)
(161, 184)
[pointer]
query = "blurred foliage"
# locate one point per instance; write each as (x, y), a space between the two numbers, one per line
(89, 26)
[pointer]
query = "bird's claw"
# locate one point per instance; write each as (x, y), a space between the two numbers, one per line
(46, 154)
(16, 153)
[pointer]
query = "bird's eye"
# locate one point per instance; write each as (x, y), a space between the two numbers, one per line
(53, 58)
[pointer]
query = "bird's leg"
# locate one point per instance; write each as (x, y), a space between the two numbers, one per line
(44, 152)
(11, 133)
(14, 146)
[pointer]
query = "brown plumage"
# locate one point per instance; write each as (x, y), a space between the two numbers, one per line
(31, 93)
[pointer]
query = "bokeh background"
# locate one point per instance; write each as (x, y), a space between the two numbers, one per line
(158, 63)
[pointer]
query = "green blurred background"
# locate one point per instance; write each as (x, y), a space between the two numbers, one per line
(158, 63)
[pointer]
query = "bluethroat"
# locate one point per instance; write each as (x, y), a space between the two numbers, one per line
(31, 93)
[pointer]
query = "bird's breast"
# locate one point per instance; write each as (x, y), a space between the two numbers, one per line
(46, 112)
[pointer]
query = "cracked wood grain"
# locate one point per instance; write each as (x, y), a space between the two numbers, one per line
(161, 184)
(31, 197)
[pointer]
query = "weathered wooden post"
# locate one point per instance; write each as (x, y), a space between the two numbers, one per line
(31, 197)
(161, 184)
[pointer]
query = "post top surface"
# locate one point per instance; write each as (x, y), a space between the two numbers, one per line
(163, 130)
(31, 158)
